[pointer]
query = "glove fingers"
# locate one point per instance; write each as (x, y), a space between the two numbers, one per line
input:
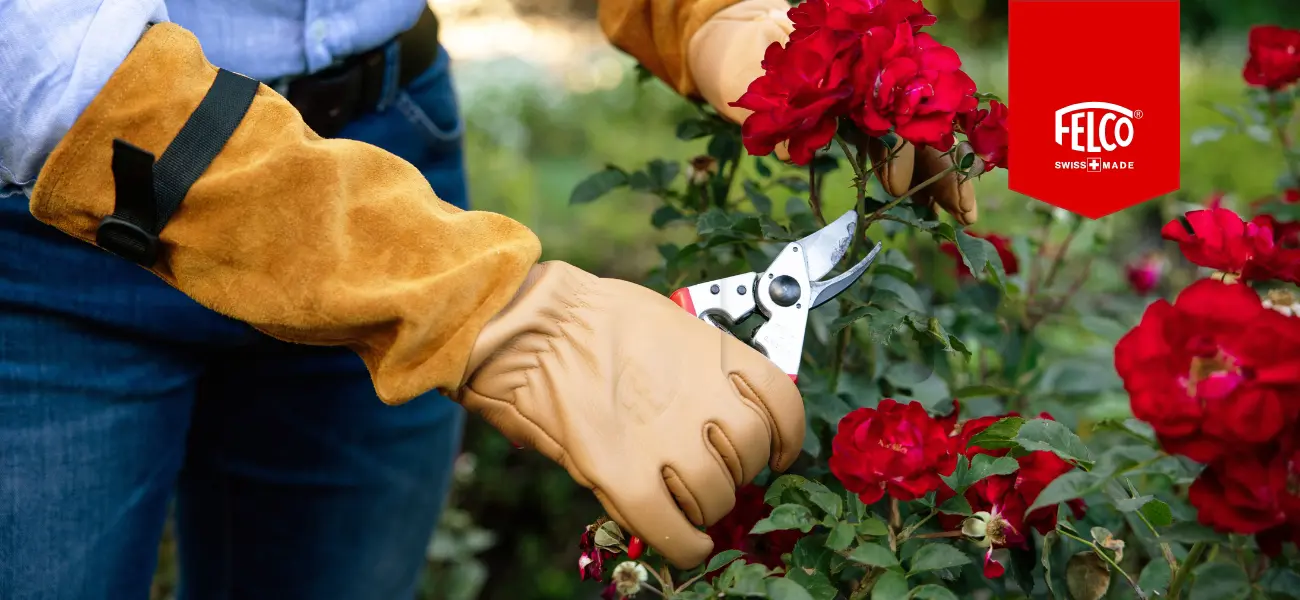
(958, 199)
(895, 175)
(643, 505)
(758, 383)
(742, 439)
(701, 484)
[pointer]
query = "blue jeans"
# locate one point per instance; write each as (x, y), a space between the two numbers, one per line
(118, 393)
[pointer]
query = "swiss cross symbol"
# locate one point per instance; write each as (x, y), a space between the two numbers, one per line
(1094, 164)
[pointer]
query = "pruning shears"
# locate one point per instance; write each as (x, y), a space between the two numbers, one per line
(783, 294)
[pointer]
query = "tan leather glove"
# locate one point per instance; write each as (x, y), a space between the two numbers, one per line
(336, 242)
(725, 55)
(909, 168)
(649, 407)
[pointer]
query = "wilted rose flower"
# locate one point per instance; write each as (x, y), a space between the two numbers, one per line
(1003, 245)
(1220, 240)
(628, 578)
(1274, 61)
(591, 561)
(988, 530)
(1212, 372)
(1282, 301)
(894, 448)
(732, 531)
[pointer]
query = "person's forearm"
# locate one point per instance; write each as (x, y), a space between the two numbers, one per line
(55, 56)
(657, 34)
(311, 240)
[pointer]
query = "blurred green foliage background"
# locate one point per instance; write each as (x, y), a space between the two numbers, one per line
(513, 530)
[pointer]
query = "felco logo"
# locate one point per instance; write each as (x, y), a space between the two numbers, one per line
(1095, 128)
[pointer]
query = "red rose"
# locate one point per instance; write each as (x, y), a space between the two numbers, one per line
(1003, 245)
(1291, 196)
(1144, 273)
(1007, 497)
(894, 448)
(1274, 60)
(1213, 371)
(1285, 234)
(591, 561)
(796, 98)
(732, 531)
(986, 130)
(1220, 240)
(854, 17)
(911, 84)
(1241, 493)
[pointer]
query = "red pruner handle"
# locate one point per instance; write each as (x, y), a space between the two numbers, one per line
(682, 297)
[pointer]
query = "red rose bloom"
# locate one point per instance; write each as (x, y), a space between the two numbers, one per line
(1274, 60)
(1220, 240)
(854, 17)
(1286, 235)
(1003, 245)
(1213, 371)
(795, 99)
(1008, 496)
(911, 84)
(894, 448)
(732, 531)
(1242, 492)
(1144, 273)
(986, 130)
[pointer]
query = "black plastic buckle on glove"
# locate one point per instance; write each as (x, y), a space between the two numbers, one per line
(148, 192)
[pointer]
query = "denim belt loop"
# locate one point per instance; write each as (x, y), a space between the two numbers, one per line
(392, 70)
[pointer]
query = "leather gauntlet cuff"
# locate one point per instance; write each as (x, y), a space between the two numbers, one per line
(310, 240)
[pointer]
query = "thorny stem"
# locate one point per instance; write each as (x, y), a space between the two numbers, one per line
(907, 533)
(1180, 575)
(941, 534)
(895, 524)
(865, 585)
(814, 198)
(858, 160)
(1099, 552)
(880, 212)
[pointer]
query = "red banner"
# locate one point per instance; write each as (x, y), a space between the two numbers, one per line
(1094, 87)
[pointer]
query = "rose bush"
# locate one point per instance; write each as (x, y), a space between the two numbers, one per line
(1169, 465)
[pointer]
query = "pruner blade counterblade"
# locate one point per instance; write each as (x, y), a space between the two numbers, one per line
(824, 248)
(823, 291)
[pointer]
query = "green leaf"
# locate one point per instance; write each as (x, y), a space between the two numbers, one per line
(937, 556)
(786, 589)
(1069, 486)
(895, 289)
(1046, 434)
(873, 526)
(1209, 133)
(841, 536)
(722, 559)
(957, 505)
(1131, 504)
(1219, 581)
(978, 254)
(891, 585)
(984, 465)
(762, 204)
(908, 374)
(1281, 581)
(664, 215)
(784, 517)
(873, 555)
(1049, 542)
(724, 146)
(976, 391)
(598, 184)
(856, 314)
(931, 591)
(817, 584)
(820, 495)
(1158, 513)
(998, 435)
(693, 129)
(743, 579)
(1155, 576)
(760, 165)
(662, 173)
(1189, 532)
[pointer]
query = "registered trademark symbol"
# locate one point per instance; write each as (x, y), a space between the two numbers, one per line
(1137, 114)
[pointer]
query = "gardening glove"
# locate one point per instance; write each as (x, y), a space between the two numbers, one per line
(662, 416)
(336, 242)
(910, 167)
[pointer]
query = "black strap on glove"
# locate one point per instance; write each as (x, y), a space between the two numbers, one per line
(148, 192)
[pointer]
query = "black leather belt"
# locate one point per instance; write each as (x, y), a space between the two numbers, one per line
(332, 98)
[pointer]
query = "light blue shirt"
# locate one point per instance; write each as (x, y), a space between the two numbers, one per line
(55, 55)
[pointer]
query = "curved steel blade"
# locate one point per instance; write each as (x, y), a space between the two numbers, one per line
(823, 291)
(824, 248)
